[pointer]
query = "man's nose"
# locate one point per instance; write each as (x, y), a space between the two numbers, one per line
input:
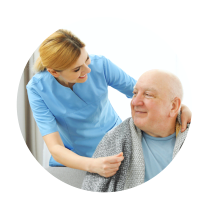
(137, 101)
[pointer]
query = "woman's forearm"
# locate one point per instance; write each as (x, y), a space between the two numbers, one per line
(105, 166)
(70, 159)
(65, 156)
(186, 116)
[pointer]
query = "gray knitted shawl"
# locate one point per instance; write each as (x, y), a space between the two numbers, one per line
(125, 138)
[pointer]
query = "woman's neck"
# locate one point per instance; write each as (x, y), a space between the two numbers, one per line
(64, 83)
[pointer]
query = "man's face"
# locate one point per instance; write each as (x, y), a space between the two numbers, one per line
(150, 104)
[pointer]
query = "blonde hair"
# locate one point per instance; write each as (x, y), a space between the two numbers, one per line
(59, 51)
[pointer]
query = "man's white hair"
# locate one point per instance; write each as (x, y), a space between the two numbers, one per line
(173, 83)
(175, 87)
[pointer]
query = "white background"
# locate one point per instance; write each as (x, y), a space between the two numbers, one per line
(136, 40)
(133, 48)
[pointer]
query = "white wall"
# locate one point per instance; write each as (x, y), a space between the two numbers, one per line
(133, 48)
(28, 127)
(21, 106)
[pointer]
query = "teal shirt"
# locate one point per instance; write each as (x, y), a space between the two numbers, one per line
(158, 153)
(82, 116)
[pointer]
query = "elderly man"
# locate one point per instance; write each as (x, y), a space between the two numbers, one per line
(149, 140)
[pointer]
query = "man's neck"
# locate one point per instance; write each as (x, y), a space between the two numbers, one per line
(162, 131)
(160, 135)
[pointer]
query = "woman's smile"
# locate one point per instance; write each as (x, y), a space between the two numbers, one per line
(81, 77)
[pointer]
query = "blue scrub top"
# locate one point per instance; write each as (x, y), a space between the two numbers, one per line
(82, 116)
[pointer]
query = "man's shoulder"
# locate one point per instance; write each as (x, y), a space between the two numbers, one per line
(180, 138)
(115, 141)
(121, 128)
(121, 132)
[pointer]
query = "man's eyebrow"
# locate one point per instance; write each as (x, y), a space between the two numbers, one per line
(147, 89)
(150, 89)
(81, 65)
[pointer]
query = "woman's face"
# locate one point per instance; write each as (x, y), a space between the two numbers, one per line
(77, 73)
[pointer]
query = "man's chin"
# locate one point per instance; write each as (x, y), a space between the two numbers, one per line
(138, 122)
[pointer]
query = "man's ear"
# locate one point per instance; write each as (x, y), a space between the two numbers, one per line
(53, 72)
(175, 107)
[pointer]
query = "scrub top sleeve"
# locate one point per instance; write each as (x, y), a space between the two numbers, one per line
(118, 79)
(44, 118)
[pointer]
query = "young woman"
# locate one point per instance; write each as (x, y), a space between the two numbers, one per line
(69, 100)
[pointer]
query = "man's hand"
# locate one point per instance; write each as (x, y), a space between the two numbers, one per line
(106, 166)
(186, 116)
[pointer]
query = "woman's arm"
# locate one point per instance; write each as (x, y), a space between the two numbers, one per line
(104, 166)
(186, 116)
(118, 79)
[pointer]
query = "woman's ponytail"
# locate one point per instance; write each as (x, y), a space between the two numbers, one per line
(38, 66)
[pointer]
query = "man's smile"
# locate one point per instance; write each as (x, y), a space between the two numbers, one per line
(140, 113)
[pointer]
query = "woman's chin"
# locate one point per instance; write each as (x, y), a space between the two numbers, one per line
(82, 79)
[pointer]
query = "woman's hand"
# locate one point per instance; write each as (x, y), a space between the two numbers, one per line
(186, 116)
(106, 166)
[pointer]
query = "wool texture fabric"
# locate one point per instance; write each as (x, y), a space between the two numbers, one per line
(125, 138)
